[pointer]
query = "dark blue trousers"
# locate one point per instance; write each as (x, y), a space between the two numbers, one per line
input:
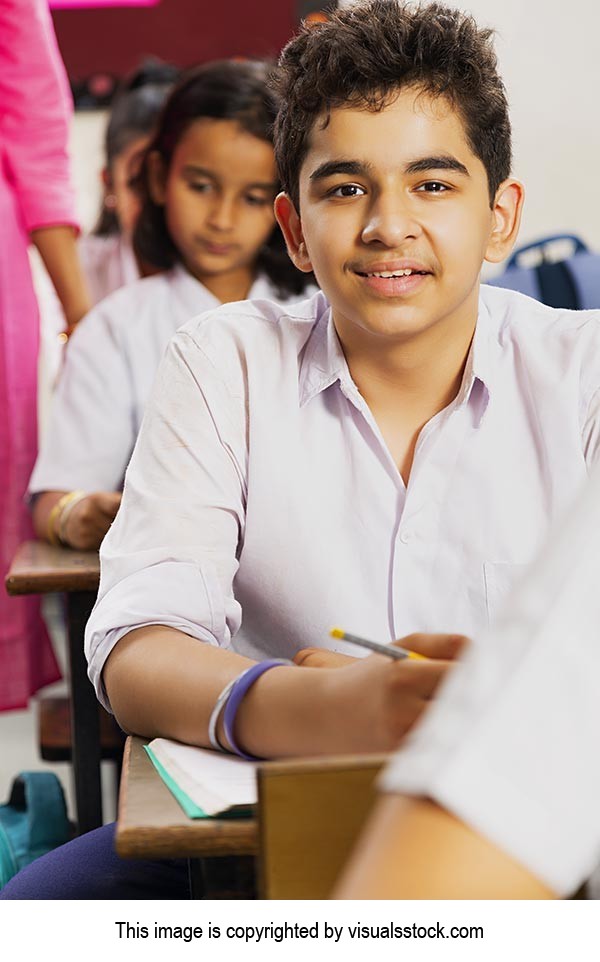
(89, 868)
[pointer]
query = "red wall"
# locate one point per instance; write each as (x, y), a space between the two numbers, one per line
(183, 32)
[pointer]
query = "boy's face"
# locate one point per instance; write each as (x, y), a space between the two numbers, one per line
(397, 192)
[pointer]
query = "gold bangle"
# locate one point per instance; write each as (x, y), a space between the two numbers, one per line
(74, 498)
(54, 533)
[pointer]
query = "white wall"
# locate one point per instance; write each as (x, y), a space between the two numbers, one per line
(549, 54)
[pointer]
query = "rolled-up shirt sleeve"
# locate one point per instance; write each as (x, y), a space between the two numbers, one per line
(170, 557)
(512, 744)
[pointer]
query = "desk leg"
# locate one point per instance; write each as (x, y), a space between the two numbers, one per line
(196, 878)
(222, 877)
(85, 720)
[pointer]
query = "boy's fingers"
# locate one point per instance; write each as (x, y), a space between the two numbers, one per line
(446, 647)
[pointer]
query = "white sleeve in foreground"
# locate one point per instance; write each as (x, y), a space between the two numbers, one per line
(512, 745)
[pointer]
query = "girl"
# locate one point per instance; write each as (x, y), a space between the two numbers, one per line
(107, 254)
(207, 185)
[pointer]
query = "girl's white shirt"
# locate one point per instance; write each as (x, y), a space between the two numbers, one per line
(109, 368)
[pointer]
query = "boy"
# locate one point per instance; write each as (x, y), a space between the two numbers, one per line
(385, 456)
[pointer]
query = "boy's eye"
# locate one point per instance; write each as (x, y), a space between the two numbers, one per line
(347, 190)
(433, 187)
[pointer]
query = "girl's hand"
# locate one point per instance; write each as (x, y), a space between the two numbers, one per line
(90, 519)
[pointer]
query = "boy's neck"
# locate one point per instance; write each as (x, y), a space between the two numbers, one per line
(407, 382)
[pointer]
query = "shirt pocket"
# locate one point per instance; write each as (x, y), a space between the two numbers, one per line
(500, 578)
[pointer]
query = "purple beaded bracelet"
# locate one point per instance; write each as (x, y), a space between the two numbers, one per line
(237, 693)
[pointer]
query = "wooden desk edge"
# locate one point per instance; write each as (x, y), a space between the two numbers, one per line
(189, 838)
(38, 568)
(30, 583)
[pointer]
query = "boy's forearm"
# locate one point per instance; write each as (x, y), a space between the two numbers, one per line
(58, 249)
(413, 849)
(162, 682)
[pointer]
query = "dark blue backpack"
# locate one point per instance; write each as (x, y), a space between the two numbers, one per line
(573, 282)
(33, 821)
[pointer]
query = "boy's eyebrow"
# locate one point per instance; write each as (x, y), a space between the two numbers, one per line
(441, 162)
(357, 168)
(331, 167)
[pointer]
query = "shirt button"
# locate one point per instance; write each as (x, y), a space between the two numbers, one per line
(405, 537)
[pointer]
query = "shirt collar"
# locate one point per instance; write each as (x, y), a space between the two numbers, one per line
(324, 362)
(478, 377)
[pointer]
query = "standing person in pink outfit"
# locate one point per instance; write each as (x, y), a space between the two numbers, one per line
(36, 204)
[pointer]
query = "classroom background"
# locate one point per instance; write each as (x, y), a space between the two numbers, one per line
(549, 59)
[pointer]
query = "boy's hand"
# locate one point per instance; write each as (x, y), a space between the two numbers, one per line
(89, 519)
(321, 658)
(375, 701)
(432, 646)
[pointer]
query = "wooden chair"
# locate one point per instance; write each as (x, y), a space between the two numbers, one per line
(54, 732)
(310, 814)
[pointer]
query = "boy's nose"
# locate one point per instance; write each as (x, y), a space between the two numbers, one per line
(390, 222)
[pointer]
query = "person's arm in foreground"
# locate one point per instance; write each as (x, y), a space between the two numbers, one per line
(508, 752)
(413, 849)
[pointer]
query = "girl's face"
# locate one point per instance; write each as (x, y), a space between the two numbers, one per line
(218, 195)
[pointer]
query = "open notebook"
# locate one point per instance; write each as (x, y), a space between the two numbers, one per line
(206, 784)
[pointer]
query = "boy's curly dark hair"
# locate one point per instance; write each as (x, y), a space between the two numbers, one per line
(222, 90)
(363, 54)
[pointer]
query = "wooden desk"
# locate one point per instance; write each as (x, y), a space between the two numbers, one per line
(152, 824)
(40, 568)
(310, 812)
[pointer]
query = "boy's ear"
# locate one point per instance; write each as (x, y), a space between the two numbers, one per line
(157, 178)
(291, 228)
(506, 214)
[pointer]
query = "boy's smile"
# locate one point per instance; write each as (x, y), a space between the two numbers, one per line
(395, 219)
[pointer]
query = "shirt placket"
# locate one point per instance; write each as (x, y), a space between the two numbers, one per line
(418, 515)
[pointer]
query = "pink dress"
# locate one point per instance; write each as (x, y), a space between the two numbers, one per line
(35, 109)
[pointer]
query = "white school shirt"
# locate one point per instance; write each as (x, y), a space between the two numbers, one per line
(262, 506)
(108, 264)
(109, 368)
(511, 744)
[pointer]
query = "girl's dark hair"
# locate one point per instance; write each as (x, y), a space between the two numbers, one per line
(223, 90)
(134, 112)
(364, 54)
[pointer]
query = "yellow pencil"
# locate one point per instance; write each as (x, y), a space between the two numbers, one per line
(392, 651)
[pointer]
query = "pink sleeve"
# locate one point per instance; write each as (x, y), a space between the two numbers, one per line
(35, 110)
